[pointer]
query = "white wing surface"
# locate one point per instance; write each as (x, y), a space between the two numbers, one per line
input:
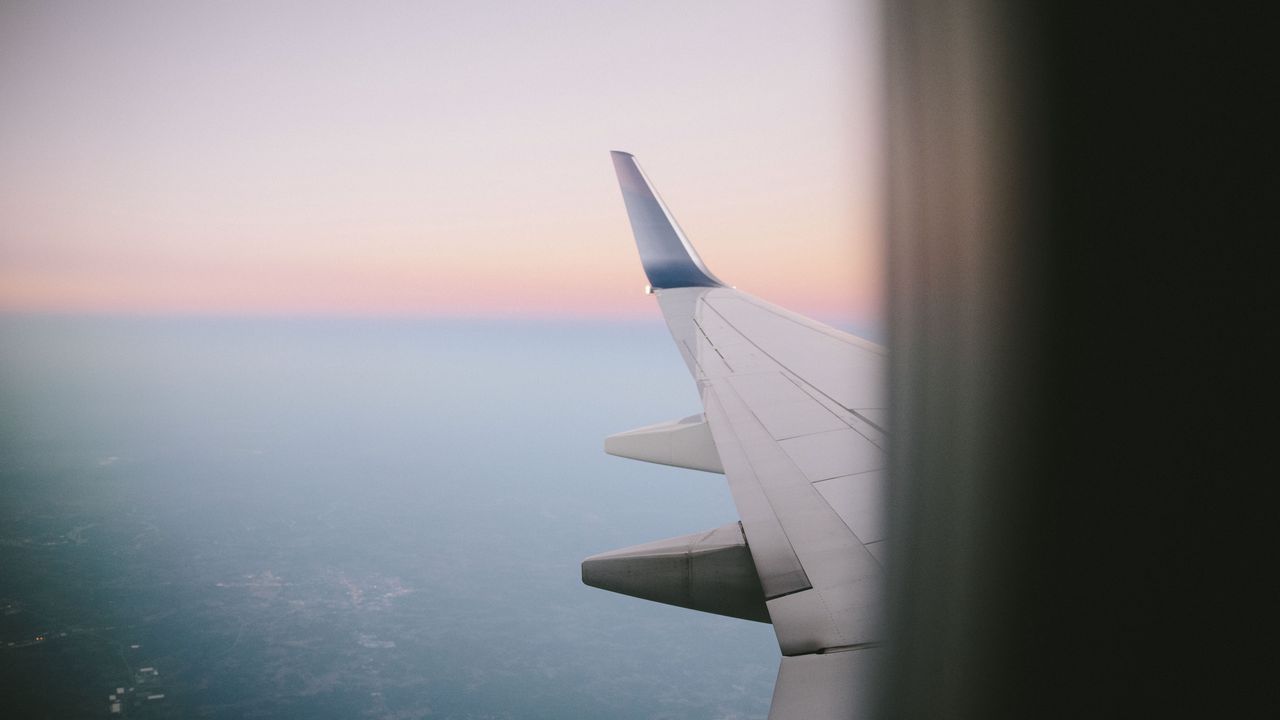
(794, 415)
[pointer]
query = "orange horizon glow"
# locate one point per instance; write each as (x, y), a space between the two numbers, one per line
(373, 290)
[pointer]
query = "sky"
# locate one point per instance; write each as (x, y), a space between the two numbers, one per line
(431, 159)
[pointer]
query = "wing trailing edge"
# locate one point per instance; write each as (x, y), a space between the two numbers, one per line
(826, 686)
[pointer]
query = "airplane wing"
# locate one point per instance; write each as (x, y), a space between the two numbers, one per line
(795, 417)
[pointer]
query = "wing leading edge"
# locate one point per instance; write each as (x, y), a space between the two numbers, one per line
(796, 413)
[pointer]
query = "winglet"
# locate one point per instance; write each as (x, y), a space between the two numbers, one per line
(668, 258)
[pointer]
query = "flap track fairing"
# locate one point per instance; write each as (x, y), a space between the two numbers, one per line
(710, 571)
(685, 443)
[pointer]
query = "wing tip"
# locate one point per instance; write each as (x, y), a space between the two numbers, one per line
(669, 259)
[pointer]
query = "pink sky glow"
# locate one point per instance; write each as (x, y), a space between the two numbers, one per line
(445, 159)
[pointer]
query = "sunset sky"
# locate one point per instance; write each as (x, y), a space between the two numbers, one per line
(440, 159)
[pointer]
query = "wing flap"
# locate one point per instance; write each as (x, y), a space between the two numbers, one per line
(779, 569)
(825, 687)
(841, 605)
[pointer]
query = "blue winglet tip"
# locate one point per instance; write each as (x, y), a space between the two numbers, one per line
(668, 258)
